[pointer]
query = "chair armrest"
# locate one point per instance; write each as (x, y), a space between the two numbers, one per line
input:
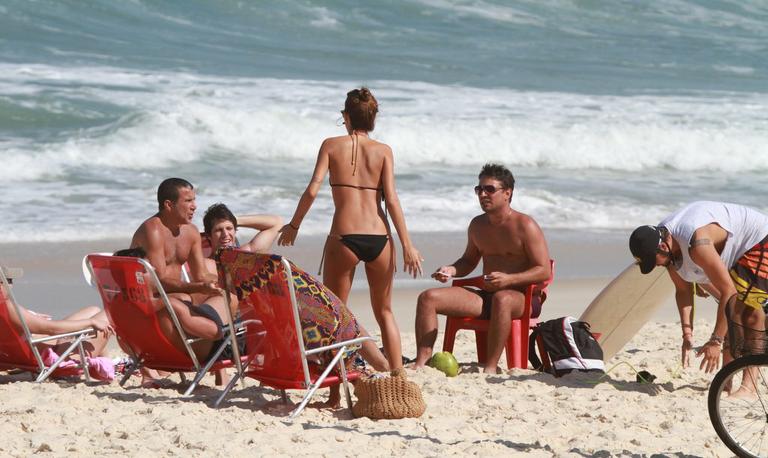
(469, 281)
(88, 332)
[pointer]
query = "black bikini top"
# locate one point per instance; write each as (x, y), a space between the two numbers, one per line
(355, 145)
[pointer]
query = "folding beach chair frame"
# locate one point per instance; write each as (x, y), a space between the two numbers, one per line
(304, 353)
(136, 361)
(79, 336)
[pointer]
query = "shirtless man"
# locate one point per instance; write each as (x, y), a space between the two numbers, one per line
(170, 240)
(514, 255)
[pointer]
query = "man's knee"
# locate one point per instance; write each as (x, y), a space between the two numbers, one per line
(427, 301)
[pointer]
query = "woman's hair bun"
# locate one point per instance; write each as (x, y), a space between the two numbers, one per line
(361, 106)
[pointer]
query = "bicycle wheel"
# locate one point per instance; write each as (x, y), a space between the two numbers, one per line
(741, 423)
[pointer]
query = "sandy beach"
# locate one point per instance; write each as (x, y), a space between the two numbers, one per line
(519, 411)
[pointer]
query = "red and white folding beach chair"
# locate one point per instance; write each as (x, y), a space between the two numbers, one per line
(132, 295)
(18, 348)
(276, 354)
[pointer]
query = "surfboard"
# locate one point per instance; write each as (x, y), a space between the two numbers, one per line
(625, 305)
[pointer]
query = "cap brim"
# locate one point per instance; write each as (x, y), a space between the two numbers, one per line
(647, 267)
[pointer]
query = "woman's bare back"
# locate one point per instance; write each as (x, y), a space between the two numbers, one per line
(356, 166)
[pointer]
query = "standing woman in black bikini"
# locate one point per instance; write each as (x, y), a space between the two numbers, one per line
(361, 176)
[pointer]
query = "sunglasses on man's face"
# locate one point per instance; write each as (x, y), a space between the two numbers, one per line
(488, 189)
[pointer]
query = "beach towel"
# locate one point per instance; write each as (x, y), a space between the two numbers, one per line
(100, 368)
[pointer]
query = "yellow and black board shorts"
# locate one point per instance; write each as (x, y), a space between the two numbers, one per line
(750, 276)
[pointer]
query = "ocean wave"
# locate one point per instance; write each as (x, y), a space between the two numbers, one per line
(160, 119)
(113, 210)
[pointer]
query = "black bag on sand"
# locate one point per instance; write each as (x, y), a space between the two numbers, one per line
(568, 344)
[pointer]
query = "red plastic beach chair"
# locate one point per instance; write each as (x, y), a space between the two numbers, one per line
(516, 347)
(18, 348)
(132, 295)
(276, 354)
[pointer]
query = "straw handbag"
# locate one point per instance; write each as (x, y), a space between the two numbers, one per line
(389, 397)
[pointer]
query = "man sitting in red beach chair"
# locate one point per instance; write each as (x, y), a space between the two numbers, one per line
(514, 255)
(170, 240)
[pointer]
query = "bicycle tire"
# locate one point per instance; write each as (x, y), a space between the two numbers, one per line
(742, 424)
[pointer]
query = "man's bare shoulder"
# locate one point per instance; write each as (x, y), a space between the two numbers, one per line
(478, 221)
(149, 228)
(190, 228)
(525, 222)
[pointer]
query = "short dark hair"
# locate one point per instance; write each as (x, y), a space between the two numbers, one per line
(498, 172)
(169, 190)
(216, 212)
(137, 252)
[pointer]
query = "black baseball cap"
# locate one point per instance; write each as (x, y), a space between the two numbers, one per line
(644, 243)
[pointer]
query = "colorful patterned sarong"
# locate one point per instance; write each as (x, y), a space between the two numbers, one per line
(324, 318)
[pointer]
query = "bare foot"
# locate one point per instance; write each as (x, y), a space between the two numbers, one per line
(744, 392)
(492, 370)
(150, 378)
(222, 377)
(334, 398)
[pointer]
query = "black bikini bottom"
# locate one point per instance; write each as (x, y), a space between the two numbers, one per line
(366, 247)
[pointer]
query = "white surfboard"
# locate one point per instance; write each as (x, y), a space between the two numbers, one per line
(625, 305)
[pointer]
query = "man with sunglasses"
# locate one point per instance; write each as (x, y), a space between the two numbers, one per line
(719, 243)
(514, 254)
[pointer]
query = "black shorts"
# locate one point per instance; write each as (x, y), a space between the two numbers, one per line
(209, 312)
(487, 298)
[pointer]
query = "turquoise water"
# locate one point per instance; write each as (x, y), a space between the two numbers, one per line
(610, 113)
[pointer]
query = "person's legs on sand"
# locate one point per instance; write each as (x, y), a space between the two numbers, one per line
(449, 301)
(507, 304)
(338, 272)
(753, 321)
(380, 273)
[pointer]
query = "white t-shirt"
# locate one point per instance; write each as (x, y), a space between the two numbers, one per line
(745, 228)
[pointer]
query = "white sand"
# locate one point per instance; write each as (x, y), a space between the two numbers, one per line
(472, 414)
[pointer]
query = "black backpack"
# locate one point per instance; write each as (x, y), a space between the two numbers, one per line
(569, 344)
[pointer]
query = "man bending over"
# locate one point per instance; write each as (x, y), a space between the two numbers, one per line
(514, 254)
